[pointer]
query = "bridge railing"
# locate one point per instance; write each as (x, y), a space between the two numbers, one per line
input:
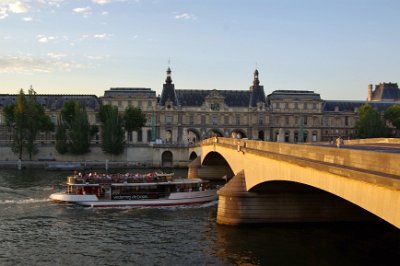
(381, 162)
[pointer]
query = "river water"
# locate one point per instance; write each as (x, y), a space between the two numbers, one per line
(36, 231)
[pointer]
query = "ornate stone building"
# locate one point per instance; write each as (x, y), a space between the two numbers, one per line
(179, 117)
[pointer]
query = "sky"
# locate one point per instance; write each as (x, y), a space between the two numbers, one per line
(335, 48)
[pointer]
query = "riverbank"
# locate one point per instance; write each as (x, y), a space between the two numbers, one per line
(71, 165)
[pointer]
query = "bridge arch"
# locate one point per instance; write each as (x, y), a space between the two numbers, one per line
(216, 167)
(192, 156)
(350, 175)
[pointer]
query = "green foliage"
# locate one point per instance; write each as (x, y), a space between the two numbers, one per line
(74, 132)
(112, 133)
(61, 139)
(370, 124)
(26, 118)
(79, 132)
(134, 119)
(392, 114)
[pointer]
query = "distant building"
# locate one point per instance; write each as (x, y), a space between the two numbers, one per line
(384, 92)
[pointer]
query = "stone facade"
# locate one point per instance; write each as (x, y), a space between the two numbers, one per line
(180, 117)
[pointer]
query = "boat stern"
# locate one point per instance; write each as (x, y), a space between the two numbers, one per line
(74, 198)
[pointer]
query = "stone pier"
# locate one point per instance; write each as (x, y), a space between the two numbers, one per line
(282, 202)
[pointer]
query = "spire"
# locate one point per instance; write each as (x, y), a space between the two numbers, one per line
(257, 94)
(256, 82)
(168, 80)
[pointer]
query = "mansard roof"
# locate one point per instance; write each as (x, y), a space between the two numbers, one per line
(130, 92)
(386, 91)
(352, 106)
(294, 94)
(55, 101)
(232, 98)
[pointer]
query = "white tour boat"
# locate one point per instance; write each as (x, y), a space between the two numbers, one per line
(152, 189)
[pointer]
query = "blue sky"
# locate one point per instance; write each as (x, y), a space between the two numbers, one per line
(335, 48)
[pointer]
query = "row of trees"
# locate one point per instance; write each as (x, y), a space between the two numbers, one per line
(371, 124)
(26, 118)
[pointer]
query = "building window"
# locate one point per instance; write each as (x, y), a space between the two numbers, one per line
(149, 103)
(325, 121)
(119, 103)
(214, 120)
(203, 120)
(286, 120)
(226, 120)
(191, 120)
(305, 120)
(168, 120)
(346, 120)
(238, 120)
(149, 135)
(140, 135)
(260, 120)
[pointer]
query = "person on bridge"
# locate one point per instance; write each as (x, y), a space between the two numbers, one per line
(339, 142)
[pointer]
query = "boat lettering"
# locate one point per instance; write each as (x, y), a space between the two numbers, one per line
(130, 197)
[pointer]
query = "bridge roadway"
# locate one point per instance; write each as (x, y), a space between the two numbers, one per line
(280, 182)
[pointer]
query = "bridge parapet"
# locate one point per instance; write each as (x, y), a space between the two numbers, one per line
(368, 179)
(386, 163)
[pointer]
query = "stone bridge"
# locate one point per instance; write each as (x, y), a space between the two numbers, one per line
(280, 182)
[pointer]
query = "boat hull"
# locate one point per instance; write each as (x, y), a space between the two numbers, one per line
(174, 199)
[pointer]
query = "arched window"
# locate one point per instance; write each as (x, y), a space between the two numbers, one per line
(166, 159)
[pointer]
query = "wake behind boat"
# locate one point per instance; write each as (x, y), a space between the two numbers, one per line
(151, 189)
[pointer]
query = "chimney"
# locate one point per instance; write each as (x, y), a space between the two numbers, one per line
(370, 86)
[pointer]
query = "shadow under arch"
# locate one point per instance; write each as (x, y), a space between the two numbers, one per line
(311, 201)
(192, 156)
(214, 166)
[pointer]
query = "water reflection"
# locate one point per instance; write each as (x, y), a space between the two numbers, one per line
(35, 231)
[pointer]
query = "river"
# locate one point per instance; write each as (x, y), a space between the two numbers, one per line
(36, 231)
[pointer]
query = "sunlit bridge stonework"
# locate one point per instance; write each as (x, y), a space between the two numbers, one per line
(278, 182)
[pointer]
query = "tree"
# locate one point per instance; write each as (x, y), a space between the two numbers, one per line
(74, 132)
(370, 124)
(26, 118)
(134, 119)
(392, 114)
(112, 133)
(61, 138)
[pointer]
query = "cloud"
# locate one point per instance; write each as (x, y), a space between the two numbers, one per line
(97, 57)
(27, 64)
(27, 19)
(9, 6)
(55, 3)
(185, 16)
(56, 55)
(45, 39)
(101, 2)
(101, 36)
(3, 13)
(83, 10)
(18, 7)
